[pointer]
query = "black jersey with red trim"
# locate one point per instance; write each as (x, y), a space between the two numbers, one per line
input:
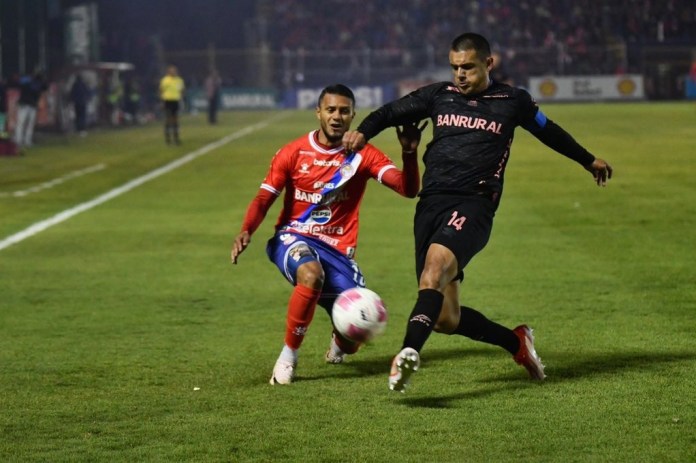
(472, 134)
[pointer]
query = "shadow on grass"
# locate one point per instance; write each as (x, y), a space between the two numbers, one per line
(572, 366)
(357, 367)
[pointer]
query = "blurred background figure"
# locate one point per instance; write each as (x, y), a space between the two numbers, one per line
(213, 83)
(114, 98)
(171, 92)
(31, 88)
(3, 108)
(131, 101)
(498, 72)
(80, 95)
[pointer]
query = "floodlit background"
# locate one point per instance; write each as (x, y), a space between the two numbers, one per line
(127, 336)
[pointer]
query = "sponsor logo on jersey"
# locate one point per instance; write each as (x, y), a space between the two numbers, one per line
(308, 197)
(334, 196)
(316, 229)
(318, 198)
(321, 215)
(307, 153)
(320, 185)
(475, 123)
(287, 238)
(326, 163)
(328, 240)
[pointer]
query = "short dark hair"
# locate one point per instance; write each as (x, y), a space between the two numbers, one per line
(472, 41)
(336, 89)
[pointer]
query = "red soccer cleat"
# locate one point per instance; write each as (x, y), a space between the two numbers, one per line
(527, 356)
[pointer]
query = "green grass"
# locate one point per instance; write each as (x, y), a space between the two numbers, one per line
(126, 335)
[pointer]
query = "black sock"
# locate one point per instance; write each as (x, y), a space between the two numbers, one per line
(475, 325)
(423, 318)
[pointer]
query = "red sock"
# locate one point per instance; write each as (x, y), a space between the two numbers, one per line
(349, 347)
(301, 307)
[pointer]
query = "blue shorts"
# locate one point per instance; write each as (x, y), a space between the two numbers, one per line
(340, 272)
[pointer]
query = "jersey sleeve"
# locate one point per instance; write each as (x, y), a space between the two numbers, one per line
(549, 133)
(257, 210)
(406, 182)
(408, 109)
(271, 187)
(278, 173)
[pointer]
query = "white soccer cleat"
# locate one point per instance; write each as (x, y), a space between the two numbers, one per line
(334, 355)
(404, 365)
(283, 372)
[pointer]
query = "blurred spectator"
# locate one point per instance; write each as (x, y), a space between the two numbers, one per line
(3, 108)
(114, 98)
(213, 84)
(570, 31)
(31, 89)
(80, 95)
(498, 72)
(131, 101)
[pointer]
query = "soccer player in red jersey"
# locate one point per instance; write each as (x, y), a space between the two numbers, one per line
(474, 119)
(317, 230)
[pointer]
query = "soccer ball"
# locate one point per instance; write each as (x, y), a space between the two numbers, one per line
(359, 314)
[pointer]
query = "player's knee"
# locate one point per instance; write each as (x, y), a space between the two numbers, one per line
(311, 274)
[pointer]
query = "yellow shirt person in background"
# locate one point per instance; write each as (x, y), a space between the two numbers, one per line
(171, 91)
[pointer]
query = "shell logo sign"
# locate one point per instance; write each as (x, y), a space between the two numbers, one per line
(548, 88)
(587, 88)
(626, 87)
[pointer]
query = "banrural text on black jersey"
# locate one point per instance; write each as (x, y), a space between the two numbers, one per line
(472, 134)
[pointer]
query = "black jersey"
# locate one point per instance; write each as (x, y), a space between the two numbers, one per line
(472, 134)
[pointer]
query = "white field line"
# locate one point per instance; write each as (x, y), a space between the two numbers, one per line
(38, 227)
(54, 182)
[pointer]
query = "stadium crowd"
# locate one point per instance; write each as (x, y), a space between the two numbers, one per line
(524, 23)
(574, 26)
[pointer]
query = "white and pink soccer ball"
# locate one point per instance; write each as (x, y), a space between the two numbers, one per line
(359, 314)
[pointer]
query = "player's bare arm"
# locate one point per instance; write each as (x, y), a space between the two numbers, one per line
(600, 170)
(240, 244)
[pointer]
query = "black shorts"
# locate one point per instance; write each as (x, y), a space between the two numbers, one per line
(460, 223)
(171, 107)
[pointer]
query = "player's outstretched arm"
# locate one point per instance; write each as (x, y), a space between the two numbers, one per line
(255, 214)
(240, 244)
(600, 170)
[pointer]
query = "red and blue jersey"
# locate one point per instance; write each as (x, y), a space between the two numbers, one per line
(323, 190)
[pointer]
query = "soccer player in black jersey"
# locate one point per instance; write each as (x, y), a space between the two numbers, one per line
(474, 120)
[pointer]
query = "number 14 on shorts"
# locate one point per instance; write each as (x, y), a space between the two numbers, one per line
(456, 222)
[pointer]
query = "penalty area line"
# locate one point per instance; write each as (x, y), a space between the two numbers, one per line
(38, 227)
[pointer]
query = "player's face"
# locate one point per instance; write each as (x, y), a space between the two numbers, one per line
(335, 114)
(470, 72)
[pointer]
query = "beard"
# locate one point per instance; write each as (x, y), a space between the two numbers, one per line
(333, 136)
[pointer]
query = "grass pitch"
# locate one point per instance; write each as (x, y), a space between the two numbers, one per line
(126, 335)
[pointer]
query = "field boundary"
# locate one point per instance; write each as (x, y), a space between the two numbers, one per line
(42, 225)
(54, 182)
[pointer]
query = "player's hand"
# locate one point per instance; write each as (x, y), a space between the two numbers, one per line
(409, 136)
(600, 170)
(240, 244)
(353, 141)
